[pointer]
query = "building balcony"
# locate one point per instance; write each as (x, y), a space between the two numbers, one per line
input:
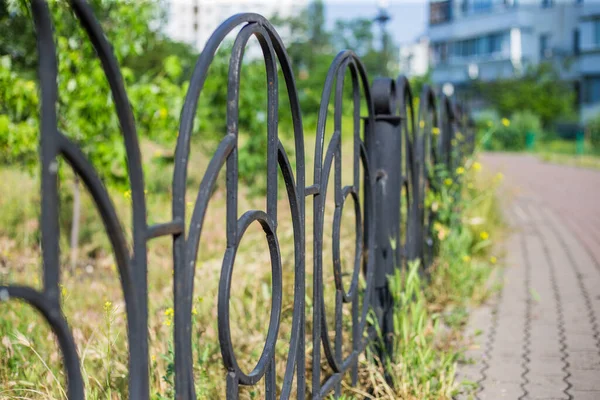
(461, 71)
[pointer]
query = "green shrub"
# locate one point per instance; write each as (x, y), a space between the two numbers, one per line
(511, 134)
(593, 127)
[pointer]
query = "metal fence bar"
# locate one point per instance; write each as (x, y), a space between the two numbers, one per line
(394, 152)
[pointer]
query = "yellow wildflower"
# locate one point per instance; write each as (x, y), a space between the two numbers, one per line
(441, 230)
(435, 130)
(466, 258)
(194, 311)
(460, 170)
(169, 313)
(484, 235)
(422, 124)
(63, 290)
(127, 194)
(447, 181)
(476, 165)
(163, 113)
(153, 358)
(505, 122)
(107, 305)
(493, 259)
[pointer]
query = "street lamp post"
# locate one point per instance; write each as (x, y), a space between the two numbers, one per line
(382, 19)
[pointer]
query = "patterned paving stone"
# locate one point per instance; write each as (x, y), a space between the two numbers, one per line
(541, 334)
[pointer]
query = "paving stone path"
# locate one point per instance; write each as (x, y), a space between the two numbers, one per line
(539, 338)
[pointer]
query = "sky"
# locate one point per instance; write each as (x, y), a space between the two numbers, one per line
(408, 17)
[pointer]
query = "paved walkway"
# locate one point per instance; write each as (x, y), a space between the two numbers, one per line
(540, 337)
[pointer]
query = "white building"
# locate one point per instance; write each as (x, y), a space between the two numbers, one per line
(414, 57)
(193, 21)
(492, 39)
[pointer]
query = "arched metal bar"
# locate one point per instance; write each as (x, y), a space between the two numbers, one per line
(447, 118)
(426, 159)
(55, 318)
(185, 251)
(114, 230)
(138, 333)
(51, 144)
(296, 353)
(48, 74)
(410, 176)
(323, 163)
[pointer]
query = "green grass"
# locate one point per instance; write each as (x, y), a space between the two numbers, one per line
(565, 152)
(581, 161)
(429, 314)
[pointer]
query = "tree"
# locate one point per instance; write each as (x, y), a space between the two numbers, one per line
(541, 91)
(85, 107)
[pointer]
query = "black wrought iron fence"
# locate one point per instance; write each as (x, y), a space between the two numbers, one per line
(394, 152)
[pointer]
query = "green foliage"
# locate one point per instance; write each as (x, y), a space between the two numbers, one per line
(594, 131)
(540, 90)
(155, 70)
(85, 108)
(418, 82)
(508, 134)
(18, 126)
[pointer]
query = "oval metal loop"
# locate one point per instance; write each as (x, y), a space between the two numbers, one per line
(225, 341)
(337, 268)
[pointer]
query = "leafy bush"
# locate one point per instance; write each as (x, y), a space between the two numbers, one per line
(594, 131)
(540, 90)
(511, 134)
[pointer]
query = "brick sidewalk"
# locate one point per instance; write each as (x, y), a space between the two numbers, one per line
(539, 338)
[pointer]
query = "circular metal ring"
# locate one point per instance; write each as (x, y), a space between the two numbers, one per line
(337, 268)
(225, 341)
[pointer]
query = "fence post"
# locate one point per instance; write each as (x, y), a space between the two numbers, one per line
(384, 148)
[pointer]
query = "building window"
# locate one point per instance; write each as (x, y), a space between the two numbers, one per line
(464, 7)
(482, 6)
(597, 32)
(440, 52)
(547, 3)
(591, 88)
(482, 46)
(576, 41)
(545, 46)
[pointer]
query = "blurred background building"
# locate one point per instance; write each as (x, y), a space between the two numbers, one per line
(414, 57)
(460, 44)
(193, 21)
(486, 40)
